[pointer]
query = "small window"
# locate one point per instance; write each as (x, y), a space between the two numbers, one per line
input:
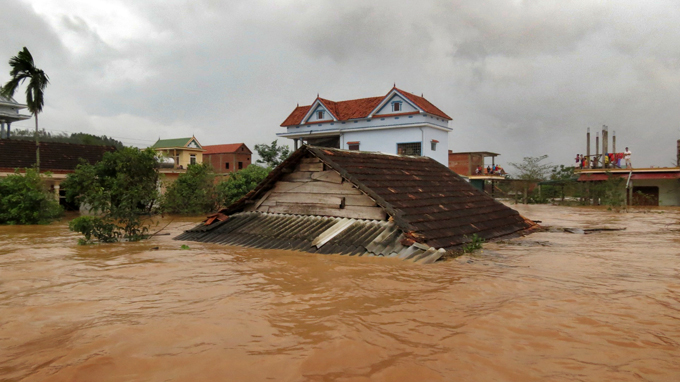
(319, 114)
(396, 106)
(413, 148)
(192, 159)
(226, 165)
(240, 165)
(433, 144)
(353, 146)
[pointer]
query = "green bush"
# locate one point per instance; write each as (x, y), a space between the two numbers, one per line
(474, 243)
(25, 199)
(120, 189)
(102, 230)
(240, 183)
(193, 193)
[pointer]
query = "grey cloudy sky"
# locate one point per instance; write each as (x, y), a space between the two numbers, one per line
(522, 78)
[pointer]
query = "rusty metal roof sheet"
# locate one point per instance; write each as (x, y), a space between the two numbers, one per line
(314, 234)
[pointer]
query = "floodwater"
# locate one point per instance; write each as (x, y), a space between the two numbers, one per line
(552, 306)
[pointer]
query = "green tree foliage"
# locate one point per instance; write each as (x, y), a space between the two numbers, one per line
(611, 193)
(23, 68)
(25, 199)
(120, 189)
(240, 183)
(78, 138)
(272, 155)
(193, 193)
(531, 171)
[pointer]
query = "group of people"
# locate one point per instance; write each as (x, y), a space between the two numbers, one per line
(613, 160)
(495, 170)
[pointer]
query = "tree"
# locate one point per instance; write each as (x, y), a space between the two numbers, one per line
(240, 183)
(531, 170)
(23, 68)
(563, 176)
(25, 199)
(119, 189)
(272, 155)
(193, 193)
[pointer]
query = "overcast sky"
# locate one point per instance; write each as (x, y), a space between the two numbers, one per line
(521, 78)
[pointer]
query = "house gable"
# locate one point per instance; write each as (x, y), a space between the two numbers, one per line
(193, 144)
(319, 112)
(394, 103)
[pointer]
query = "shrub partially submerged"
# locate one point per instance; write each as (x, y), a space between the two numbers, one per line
(120, 189)
(25, 199)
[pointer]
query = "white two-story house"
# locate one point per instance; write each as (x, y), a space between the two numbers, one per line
(397, 123)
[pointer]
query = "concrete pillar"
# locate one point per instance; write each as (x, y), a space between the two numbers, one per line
(597, 149)
(588, 143)
(56, 192)
(614, 141)
(296, 143)
(2, 129)
(605, 139)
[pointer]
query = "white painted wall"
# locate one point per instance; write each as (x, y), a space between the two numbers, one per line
(386, 141)
(669, 190)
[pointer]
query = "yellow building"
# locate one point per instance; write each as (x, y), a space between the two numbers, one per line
(183, 152)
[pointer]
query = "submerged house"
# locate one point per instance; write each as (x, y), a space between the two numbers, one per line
(361, 203)
(396, 123)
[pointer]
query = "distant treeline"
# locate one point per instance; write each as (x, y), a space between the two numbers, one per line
(79, 138)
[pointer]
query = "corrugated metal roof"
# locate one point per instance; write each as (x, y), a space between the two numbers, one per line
(314, 234)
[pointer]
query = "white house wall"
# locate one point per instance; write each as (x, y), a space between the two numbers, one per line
(386, 141)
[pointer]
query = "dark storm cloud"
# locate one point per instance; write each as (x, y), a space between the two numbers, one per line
(518, 77)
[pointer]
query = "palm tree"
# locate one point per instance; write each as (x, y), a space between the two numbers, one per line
(23, 68)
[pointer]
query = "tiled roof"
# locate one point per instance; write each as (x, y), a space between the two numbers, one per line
(169, 143)
(225, 149)
(422, 196)
(54, 156)
(360, 108)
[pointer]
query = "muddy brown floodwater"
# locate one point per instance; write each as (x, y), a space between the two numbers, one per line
(548, 307)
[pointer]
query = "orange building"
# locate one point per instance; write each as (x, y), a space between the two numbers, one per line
(227, 158)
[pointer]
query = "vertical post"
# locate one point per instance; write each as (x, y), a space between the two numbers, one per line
(296, 143)
(2, 129)
(588, 143)
(605, 139)
(678, 164)
(9, 124)
(614, 141)
(597, 149)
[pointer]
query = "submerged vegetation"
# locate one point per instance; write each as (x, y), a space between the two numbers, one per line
(475, 242)
(25, 199)
(119, 190)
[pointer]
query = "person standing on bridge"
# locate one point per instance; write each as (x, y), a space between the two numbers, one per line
(626, 156)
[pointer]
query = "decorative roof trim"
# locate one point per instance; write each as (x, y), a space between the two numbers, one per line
(388, 97)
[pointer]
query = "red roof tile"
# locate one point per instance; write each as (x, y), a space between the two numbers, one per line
(360, 108)
(225, 149)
